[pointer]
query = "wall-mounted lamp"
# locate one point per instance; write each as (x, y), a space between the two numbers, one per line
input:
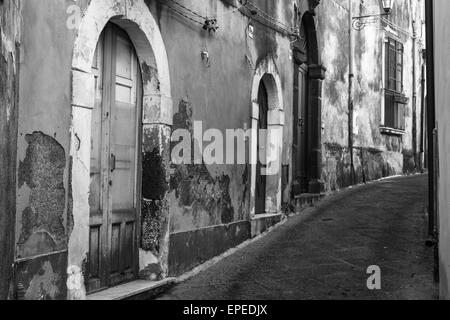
(387, 6)
(205, 58)
(251, 31)
(361, 22)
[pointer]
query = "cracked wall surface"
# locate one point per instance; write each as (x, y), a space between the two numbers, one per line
(210, 204)
(9, 87)
(42, 225)
(202, 196)
(441, 11)
(41, 278)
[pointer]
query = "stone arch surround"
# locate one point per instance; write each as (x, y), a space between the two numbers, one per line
(267, 72)
(136, 19)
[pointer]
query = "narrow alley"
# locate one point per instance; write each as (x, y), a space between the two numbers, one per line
(324, 253)
(141, 139)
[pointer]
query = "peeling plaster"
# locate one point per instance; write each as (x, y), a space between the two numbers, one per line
(42, 171)
(43, 284)
(8, 49)
(43, 278)
(199, 195)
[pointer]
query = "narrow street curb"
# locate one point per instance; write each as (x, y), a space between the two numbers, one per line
(358, 186)
(205, 266)
(368, 183)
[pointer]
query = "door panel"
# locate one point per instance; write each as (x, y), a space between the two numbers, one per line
(115, 248)
(261, 179)
(124, 131)
(115, 147)
(96, 134)
(300, 130)
(97, 231)
(123, 148)
(94, 253)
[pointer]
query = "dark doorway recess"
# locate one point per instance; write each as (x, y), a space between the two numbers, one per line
(307, 110)
(261, 178)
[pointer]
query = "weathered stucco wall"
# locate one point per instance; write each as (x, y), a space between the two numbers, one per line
(210, 204)
(376, 154)
(43, 215)
(9, 86)
(441, 11)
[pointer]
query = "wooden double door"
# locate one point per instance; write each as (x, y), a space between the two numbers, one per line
(300, 130)
(115, 154)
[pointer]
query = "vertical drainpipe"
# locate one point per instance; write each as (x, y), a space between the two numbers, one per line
(350, 91)
(414, 106)
(431, 132)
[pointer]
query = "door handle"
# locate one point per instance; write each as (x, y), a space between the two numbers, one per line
(113, 162)
(301, 122)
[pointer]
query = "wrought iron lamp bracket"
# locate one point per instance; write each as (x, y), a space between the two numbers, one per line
(361, 22)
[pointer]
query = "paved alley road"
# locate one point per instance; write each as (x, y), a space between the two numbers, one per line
(325, 252)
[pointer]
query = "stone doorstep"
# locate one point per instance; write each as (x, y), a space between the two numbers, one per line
(132, 289)
(262, 222)
(310, 195)
(306, 200)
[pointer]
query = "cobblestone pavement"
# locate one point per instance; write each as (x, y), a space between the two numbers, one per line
(324, 253)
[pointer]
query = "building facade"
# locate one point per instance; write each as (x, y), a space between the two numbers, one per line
(388, 91)
(107, 90)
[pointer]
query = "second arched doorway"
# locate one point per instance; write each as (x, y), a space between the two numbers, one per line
(267, 143)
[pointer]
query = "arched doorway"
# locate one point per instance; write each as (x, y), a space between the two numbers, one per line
(261, 178)
(115, 152)
(138, 41)
(267, 141)
(307, 108)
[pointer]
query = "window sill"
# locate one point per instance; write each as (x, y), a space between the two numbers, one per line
(392, 132)
(399, 97)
